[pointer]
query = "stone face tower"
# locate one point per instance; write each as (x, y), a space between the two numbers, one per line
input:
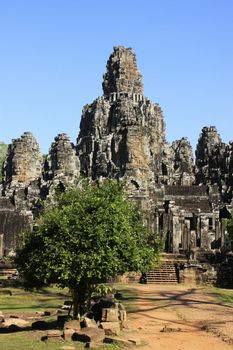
(122, 74)
(24, 161)
(122, 132)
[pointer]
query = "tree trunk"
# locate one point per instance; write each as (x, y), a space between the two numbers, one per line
(76, 308)
(79, 294)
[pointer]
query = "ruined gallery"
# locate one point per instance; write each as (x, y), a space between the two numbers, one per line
(122, 135)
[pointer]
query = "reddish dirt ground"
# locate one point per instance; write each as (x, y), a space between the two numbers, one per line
(192, 319)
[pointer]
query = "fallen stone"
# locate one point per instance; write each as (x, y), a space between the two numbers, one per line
(118, 340)
(68, 334)
(166, 329)
(135, 342)
(88, 322)
(13, 321)
(109, 315)
(89, 335)
(110, 328)
(54, 333)
(120, 306)
(122, 315)
(103, 303)
(72, 324)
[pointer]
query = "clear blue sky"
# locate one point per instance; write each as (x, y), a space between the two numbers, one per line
(53, 54)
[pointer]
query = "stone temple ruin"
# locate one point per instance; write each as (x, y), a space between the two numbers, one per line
(122, 135)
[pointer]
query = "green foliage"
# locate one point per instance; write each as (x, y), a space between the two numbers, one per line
(85, 238)
(102, 289)
(3, 152)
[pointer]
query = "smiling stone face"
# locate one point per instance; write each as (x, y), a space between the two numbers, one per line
(122, 74)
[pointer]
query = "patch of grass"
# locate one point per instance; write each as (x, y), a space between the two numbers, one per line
(18, 300)
(224, 295)
(32, 341)
(130, 296)
(28, 340)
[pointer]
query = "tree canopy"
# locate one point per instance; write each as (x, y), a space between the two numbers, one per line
(86, 237)
(3, 152)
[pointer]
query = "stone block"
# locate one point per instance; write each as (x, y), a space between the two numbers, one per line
(54, 333)
(88, 322)
(117, 340)
(122, 315)
(68, 334)
(89, 335)
(109, 315)
(8, 322)
(120, 306)
(72, 324)
(111, 328)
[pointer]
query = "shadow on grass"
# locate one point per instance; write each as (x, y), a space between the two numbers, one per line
(44, 326)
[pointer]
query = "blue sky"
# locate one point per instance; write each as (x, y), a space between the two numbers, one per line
(53, 54)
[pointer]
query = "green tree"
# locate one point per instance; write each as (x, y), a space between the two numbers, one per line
(3, 152)
(85, 238)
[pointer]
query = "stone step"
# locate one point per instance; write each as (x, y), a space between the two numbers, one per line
(165, 273)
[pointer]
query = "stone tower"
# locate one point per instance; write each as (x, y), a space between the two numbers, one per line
(122, 132)
(24, 161)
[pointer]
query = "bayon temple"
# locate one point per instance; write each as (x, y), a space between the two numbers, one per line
(122, 135)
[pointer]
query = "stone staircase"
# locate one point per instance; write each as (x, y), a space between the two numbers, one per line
(166, 272)
(7, 269)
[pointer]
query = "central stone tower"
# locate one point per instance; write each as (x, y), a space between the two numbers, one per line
(122, 133)
(122, 74)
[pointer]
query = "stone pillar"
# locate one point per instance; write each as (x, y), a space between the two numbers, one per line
(217, 229)
(186, 235)
(156, 221)
(205, 243)
(176, 234)
(1, 246)
(198, 230)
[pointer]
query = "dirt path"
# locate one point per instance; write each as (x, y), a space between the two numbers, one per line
(191, 319)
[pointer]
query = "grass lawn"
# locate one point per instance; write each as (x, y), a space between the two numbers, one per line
(130, 296)
(28, 341)
(13, 300)
(224, 295)
(16, 301)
